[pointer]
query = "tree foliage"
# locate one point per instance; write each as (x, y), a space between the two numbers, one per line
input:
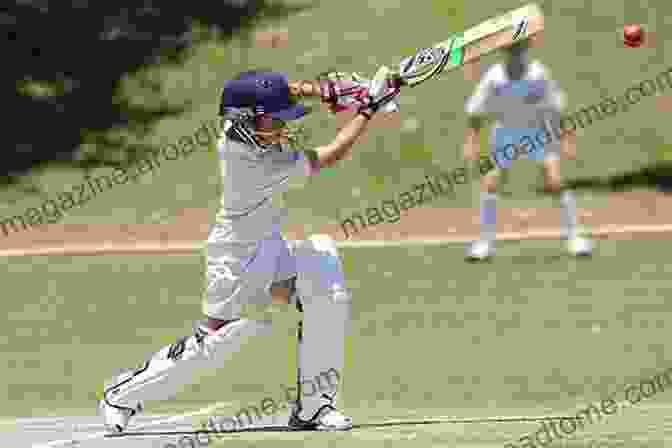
(64, 61)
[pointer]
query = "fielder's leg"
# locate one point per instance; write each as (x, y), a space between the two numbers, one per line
(576, 244)
(484, 247)
(326, 306)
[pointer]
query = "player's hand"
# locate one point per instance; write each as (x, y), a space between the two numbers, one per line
(382, 92)
(342, 91)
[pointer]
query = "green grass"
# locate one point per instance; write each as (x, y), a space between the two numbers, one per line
(531, 333)
(534, 332)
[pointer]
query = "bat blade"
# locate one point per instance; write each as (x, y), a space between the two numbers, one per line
(498, 32)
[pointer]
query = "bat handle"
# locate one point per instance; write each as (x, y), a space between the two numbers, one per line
(396, 81)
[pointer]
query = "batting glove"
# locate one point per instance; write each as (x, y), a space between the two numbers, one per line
(382, 93)
(343, 91)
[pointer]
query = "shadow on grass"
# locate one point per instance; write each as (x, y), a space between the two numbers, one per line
(658, 176)
(536, 259)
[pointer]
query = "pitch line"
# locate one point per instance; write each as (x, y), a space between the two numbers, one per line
(102, 434)
(381, 424)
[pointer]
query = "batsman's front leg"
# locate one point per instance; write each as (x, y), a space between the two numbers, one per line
(173, 368)
(326, 306)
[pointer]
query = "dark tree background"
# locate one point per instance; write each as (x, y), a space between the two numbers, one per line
(64, 60)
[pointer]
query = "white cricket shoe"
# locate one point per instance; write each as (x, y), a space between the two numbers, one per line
(116, 417)
(480, 250)
(326, 419)
(580, 246)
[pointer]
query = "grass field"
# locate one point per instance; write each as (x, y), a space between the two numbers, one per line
(533, 333)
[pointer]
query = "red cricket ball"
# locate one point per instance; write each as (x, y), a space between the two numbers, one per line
(633, 36)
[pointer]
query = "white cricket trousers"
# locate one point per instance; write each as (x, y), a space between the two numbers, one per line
(326, 308)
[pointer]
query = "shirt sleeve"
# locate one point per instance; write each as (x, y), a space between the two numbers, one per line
(476, 104)
(297, 168)
(556, 99)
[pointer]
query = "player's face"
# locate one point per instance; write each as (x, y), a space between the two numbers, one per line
(272, 130)
(295, 89)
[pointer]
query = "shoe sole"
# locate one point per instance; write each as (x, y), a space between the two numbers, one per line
(116, 429)
(475, 259)
(583, 254)
(320, 428)
(299, 425)
(333, 428)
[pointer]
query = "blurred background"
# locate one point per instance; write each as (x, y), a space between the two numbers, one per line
(93, 86)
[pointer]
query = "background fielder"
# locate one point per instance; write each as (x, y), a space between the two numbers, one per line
(249, 262)
(526, 104)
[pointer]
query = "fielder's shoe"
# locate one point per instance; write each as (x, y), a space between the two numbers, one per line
(480, 250)
(580, 246)
(116, 417)
(327, 418)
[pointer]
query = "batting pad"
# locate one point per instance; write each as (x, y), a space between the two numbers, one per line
(326, 304)
(175, 367)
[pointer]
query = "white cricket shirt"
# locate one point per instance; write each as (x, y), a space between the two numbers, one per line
(251, 205)
(527, 103)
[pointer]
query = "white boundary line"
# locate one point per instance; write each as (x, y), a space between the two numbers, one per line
(206, 410)
(410, 420)
(187, 247)
(101, 435)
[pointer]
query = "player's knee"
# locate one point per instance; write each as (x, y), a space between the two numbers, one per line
(229, 339)
(489, 183)
(208, 343)
(552, 186)
(319, 270)
(552, 183)
(283, 291)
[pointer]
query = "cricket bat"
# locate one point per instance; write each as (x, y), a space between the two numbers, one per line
(472, 44)
(427, 63)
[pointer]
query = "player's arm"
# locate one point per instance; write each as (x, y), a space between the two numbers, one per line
(379, 97)
(327, 155)
(304, 88)
(568, 145)
(472, 140)
(340, 91)
(557, 100)
(476, 114)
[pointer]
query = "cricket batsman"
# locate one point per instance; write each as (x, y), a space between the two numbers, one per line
(526, 105)
(248, 260)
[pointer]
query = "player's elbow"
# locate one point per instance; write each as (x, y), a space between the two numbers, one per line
(328, 156)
